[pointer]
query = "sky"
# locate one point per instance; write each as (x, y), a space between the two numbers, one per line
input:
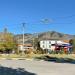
(38, 16)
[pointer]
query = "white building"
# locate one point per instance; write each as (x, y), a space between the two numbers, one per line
(50, 44)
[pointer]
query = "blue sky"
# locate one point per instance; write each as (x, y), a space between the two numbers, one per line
(60, 15)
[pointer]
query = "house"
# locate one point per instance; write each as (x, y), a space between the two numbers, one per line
(50, 44)
(27, 45)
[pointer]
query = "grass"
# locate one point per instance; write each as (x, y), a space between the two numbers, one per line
(29, 56)
(47, 57)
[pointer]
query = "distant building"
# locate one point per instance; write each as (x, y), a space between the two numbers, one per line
(50, 44)
(27, 45)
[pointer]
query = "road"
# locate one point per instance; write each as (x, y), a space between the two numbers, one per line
(34, 67)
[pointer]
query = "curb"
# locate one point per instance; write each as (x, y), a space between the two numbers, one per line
(20, 59)
(15, 59)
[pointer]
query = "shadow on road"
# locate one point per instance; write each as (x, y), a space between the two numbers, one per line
(60, 60)
(10, 71)
(57, 60)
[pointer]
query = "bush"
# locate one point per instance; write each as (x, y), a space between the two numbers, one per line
(29, 51)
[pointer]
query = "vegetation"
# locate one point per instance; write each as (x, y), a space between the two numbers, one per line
(36, 44)
(7, 43)
(72, 42)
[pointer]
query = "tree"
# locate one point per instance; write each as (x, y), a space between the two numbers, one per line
(7, 42)
(72, 42)
(37, 46)
(36, 43)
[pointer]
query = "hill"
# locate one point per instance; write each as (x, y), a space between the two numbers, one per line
(55, 35)
(45, 35)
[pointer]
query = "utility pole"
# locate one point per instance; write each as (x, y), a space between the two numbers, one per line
(33, 41)
(23, 28)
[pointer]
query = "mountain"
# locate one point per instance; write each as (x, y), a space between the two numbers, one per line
(27, 38)
(45, 35)
(55, 35)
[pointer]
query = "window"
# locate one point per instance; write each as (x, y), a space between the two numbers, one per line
(52, 44)
(49, 42)
(49, 46)
(43, 42)
(43, 46)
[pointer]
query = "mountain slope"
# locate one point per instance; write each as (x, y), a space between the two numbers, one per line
(46, 35)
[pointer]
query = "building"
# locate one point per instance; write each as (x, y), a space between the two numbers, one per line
(27, 45)
(50, 44)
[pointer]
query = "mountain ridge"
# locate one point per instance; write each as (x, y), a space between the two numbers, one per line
(46, 35)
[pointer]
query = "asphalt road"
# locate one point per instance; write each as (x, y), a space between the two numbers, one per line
(26, 67)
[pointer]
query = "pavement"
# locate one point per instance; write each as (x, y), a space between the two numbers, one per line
(34, 67)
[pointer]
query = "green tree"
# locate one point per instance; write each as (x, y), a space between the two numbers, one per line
(37, 46)
(36, 43)
(72, 42)
(7, 43)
